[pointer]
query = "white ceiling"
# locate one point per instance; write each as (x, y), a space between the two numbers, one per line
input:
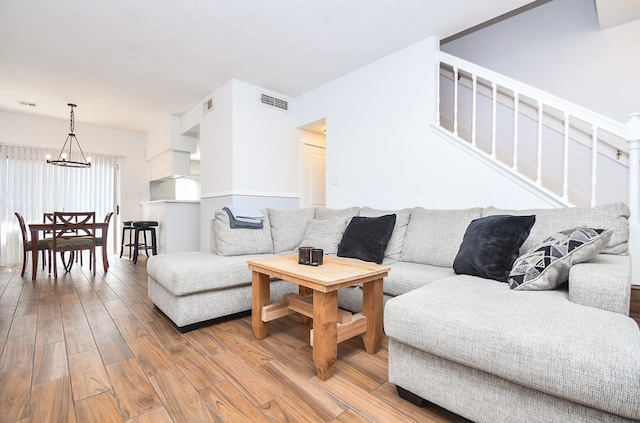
(129, 63)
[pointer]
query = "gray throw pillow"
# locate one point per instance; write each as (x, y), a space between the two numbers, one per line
(288, 226)
(241, 241)
(546, 266)
(324, 234)
(394, 248)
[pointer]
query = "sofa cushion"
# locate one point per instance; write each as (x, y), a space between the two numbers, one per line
(324, 213)
(193, 272)
(546, 266)
(434, 236)
(394, 247)
(603, 282)
(491, 244)
(288, 226)
(538, 339)
(405, 276)
(239, 241)
(324, 234)
(549, 221)
(366, 238)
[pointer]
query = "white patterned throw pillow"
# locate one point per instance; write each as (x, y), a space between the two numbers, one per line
(546, 266)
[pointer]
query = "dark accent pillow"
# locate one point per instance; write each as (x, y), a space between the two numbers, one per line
(491, 244)
(366, 238)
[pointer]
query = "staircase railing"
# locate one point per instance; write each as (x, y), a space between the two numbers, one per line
(577, 155)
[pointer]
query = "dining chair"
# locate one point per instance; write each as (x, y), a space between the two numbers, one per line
(47, 218)
(99, 239)
(43, 245)
(73, 231)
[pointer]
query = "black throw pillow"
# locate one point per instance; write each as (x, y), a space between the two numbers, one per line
(366, 238)
(491, 245)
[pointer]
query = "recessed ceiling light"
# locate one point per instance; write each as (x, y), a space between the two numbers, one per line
(27, 103)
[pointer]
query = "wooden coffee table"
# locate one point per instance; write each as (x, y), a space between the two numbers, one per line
(318, 299)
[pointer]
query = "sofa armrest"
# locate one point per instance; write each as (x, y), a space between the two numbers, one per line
(603, 282)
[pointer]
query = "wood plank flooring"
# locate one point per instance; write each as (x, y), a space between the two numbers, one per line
(90, 348)
(634, 309)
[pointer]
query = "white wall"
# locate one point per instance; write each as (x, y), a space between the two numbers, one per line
(28, 130)
(381, 149)
(265, 147)
(558, 47)
(248, 153)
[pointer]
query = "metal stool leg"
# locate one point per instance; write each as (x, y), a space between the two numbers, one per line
(154, 246)
(136, 245)
(144, 236)
(122, 242)
(126, 228)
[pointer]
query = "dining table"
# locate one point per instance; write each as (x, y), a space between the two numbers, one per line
(37, 228)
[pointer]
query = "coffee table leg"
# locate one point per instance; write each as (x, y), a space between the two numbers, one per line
(303, 290)
(372, 308)
(260, 296)
(325, 332)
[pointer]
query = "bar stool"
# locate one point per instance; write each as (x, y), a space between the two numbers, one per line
(144, 226)
(127, 228)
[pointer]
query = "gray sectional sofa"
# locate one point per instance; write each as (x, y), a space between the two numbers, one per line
(465, 342)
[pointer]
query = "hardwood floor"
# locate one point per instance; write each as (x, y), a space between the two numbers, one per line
(90, 348)
(634, 308)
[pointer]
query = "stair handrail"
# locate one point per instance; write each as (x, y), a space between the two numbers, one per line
(574, 110)
(593, 123)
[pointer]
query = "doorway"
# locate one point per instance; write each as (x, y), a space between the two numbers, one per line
(313, 152)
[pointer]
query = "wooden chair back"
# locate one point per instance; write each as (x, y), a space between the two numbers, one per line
(73, 231)
(23, 228)
(74, 224)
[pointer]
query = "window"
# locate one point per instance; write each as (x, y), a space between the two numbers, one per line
(31, 186)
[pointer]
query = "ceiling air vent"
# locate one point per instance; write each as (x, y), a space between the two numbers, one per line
(207, 106)
(274, 102)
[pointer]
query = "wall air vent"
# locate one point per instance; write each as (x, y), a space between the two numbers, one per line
(207, 106)
(274, 102)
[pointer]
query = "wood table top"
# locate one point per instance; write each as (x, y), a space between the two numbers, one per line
(333, 274)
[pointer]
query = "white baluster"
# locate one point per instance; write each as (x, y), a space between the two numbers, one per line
(474, 78)
(565, 179)
(438, 76)
(494, 100)
(594, 163)
(516, 103)
(633, 138)
(540, 127)
(455, 101)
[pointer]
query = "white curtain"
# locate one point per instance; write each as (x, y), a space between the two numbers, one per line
(31, 186)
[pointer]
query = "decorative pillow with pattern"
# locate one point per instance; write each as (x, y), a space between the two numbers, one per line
(546, 266)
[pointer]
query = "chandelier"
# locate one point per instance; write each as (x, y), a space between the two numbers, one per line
(65, 157)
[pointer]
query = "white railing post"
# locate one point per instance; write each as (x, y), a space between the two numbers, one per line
(494, 119)
(565, 167)
(633, 138)
(539, 139)
(455, 101)
(474, 100)
(594, 164)
(516, 112)
(438, 72)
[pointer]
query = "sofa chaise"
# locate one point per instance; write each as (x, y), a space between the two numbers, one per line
(548, 341)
